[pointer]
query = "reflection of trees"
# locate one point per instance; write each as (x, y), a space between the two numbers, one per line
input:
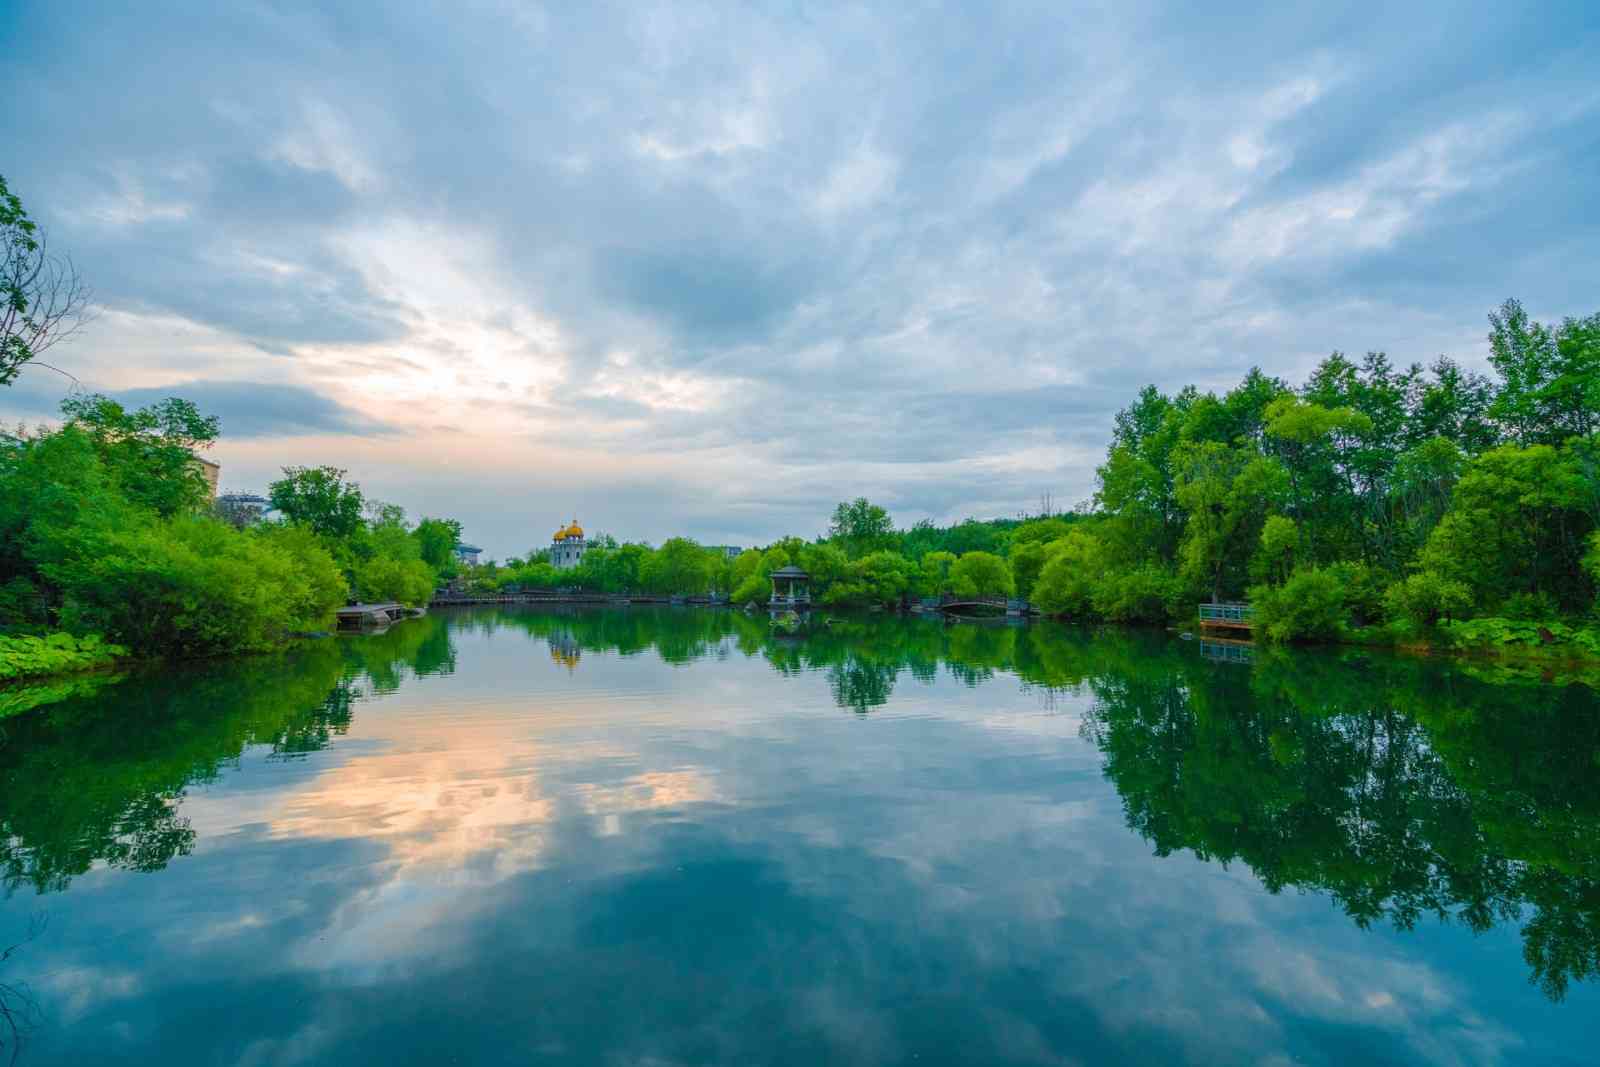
(96, 778)
(861, 684)
(1398, 788)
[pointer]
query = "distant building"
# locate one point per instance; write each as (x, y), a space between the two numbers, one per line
(242, 509)
(212, 471)
(567, 547)
(728, 551)
(468, 554)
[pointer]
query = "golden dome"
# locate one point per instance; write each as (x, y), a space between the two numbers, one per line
(573, 532)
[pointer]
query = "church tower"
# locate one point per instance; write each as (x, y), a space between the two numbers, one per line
(567, 547)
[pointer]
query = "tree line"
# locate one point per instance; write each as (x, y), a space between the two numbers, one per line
(107, 528)
(1372, 502)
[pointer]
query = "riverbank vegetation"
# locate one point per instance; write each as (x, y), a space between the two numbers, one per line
(108, 543)
(1425, 506)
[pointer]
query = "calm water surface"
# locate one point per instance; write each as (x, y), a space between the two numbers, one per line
(669, 837)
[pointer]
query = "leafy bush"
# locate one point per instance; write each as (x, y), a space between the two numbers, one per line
(382, 579)
(980, 574)
(33, 657)
(1533, 606)
(1364, 589)
(188, 586)
(1074, 564)
(1148, 593)
(1309, 606)
(1426, 597)
(1490, 634)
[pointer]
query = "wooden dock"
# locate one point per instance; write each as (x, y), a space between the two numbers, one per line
(1226, 617)
(359, 615)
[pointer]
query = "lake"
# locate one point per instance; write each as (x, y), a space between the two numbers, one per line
(672, 836)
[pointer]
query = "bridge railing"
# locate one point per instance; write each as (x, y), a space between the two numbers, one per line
(1240, 613)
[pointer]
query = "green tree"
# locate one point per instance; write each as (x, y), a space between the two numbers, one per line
(437, 540)
(1516, 526)
(981, 574)
(151, 451)
(860, 527)
(1075, 568)
(1027, 560)
(1307, 437)
(320, 497)
(1225, 492)
(1550, 379)
(679, 567)
(1278, 540)
(933, 573)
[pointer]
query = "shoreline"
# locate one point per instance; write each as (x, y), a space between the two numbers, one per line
(1561, 661)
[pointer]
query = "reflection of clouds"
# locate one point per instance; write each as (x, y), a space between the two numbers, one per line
(443, 807)
(69, 993)
(649, 791)
(637, 859)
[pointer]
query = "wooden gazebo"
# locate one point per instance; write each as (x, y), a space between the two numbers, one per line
(791, 589)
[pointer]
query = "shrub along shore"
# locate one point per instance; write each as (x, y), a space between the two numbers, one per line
(1422, 507)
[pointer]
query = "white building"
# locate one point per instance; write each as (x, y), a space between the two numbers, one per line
(567, 547)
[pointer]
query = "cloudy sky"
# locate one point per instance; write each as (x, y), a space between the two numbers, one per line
(706, 270)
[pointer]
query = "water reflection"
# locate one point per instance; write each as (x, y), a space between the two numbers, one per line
(98, 778)
(666, 761)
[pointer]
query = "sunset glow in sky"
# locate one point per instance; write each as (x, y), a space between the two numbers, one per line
(708, 269)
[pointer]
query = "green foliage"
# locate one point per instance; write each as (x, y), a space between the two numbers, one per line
(385, 579)
(1365, 588)
(969, 535)
(1146, 593)
(859, 527)
(1309, 606)
(1027, 560)
(149, 453)
(1274, 560)
(679, 567)
(1074, 568)
(980, 574)
(102, 531)
(1549, 638)
(1515, 525)
(1550, 377)
(319, 497)
(58, 653)
(1427, 597)
(186, 586)
(1040, 531)
(933, 573)
(880, 579)
(1365, 472)
(436, 541)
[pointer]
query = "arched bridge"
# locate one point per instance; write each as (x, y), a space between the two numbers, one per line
(950, 604)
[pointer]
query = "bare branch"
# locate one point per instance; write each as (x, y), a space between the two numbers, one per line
(43, 299)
